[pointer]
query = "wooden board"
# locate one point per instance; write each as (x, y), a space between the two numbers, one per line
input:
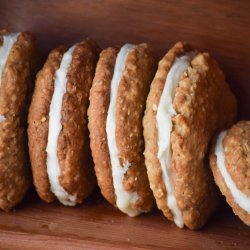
(95, 224)
(220, 27)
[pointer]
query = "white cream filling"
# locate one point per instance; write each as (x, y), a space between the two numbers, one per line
(124, 199)
(2, 118)
(8, 41)
(55, 126)
(164, 115)
(239, 197)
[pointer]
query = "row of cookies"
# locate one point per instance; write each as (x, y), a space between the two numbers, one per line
(150, 129)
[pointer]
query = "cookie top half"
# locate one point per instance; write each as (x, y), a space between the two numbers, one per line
(18, 53)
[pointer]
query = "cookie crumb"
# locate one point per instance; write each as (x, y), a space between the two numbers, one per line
(154, 107)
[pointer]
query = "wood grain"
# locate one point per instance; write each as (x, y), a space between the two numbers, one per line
(96, 224)
(219, 27)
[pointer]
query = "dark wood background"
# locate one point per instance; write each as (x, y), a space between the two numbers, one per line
(220, 27)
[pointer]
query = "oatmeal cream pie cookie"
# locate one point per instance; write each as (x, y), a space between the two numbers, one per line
(189, 101)
(230, 163)
(58, 137)
(17, 65)
(117, 103)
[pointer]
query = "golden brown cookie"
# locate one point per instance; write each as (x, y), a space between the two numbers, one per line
(230, 163)
(18, 57)
(185, 108)
(58, 136)
(117, 103)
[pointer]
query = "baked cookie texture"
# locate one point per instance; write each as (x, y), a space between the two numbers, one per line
(236, 145)
(15, 88)
(133, 88)
(77, 174)
(97, 115)
(200, 100)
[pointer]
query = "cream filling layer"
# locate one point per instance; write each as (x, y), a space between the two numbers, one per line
(8, 41)
(241, 199)
(165, 112)
(55, 126)
(124, 199)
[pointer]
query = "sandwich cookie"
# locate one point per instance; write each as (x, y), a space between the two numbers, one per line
(230, 163)
(17, 65)
(117, 103)
(185, 107)
(58, 136)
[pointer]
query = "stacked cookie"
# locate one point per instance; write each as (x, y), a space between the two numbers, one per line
(149, 130)
(185, 108)
(17, 65)
(117, 102)
(230, 163)
(58, 137)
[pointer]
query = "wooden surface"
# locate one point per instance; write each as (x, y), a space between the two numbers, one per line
(95, 224)
(219, 27)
